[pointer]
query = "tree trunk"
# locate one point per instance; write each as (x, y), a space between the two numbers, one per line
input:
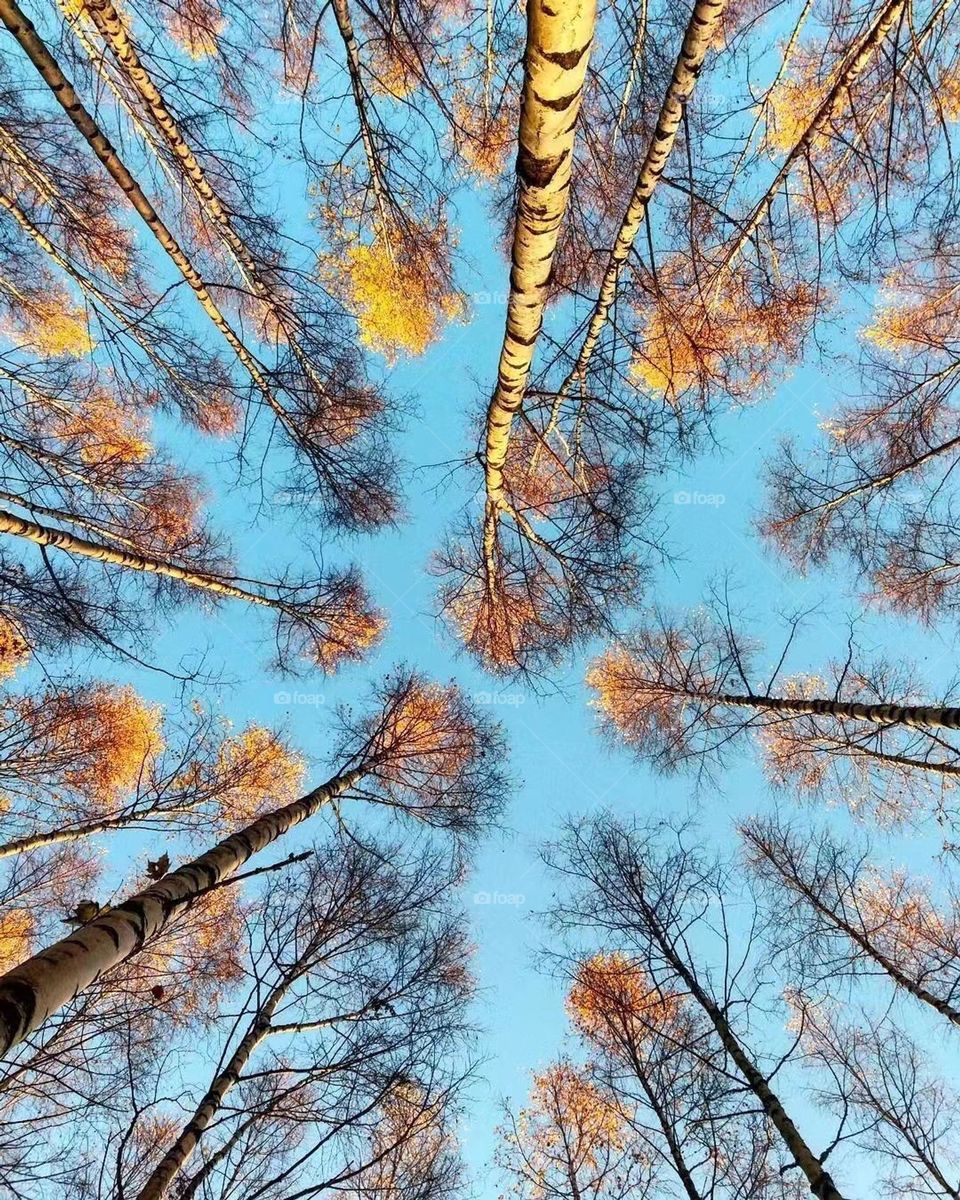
(341, 12)
(32, 45)
(856, 61)
(555, 64)
(919, 716)
(820, 1182)
(40, 986)
(792, 879)
(177, 1157)
(117, 37)
(60, 539)
(55, 837)
(701, 31)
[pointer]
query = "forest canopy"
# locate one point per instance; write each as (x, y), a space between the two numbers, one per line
(478, 580)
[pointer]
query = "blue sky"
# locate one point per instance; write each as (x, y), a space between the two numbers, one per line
(562, 767)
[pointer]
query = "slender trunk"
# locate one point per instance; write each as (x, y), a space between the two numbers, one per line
(43, 535)
(920, 716)
(345, 26)
(856, 62)
(878, 483)
(820, 1182)
(31, 992)
(793, 880)
(55, 837)
(180, 1151)
(555, 64)
(701, 31)
(899, 760)
(117, 37)
(34, 48)
(676, 1153)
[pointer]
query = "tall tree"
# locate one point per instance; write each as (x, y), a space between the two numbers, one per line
(681, 693)
(852, 919)
(646, 895)
(423, 752)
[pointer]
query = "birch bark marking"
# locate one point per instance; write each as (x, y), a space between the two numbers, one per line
(35, 989)
(555, 65)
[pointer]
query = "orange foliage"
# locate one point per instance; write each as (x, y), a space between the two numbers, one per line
(904, 924)
(486, 145)
(422, 736)
(569, 1118)
(219, 417)
(108, 431)
(16, 937)
(916, 314)
(195, 26)
(170, 515)
(261, 772)
(194, 960)
(725, 336)
(536, 475)
(106, 738)
(14, 650)
(496, 622)
(636, 706)
(397, 73)
(259, 315)
(351, 631)
(612, 1000)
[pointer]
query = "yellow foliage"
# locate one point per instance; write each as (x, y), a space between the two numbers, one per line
(107, 431)
(260, 772)
(16, 937)
(791, 106)
(948, 94)
(56, 327)
(14, 650)
(399, 303)
(115, 735)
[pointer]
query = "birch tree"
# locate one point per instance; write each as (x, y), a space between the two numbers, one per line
(644, 896)
(683, 693)
(423, 752)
